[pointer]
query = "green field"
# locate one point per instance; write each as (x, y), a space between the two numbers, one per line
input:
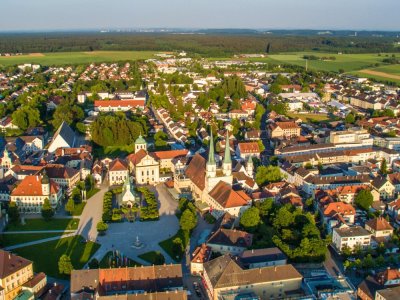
(64, 58)
(15, 239)
(40, 224)
(45, 256)
(309, 117)
(347, 62)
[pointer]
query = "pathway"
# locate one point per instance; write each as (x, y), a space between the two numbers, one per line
(40, 241)
(38, 231)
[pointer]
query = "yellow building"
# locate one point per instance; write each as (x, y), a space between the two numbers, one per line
(14, 272)
(284, 129)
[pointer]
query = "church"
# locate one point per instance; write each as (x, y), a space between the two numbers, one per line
(146, 166)
(211, 181)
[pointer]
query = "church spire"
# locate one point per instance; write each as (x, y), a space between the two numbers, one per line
(227, 163)
(211, 158)
(227, 156)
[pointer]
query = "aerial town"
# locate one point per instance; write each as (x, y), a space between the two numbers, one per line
(179, 177)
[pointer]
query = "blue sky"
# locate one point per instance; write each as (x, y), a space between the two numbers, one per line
(24, 15)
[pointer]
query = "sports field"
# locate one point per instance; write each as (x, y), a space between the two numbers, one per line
(64, 58)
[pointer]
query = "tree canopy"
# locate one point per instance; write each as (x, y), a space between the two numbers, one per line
(364, 199)
(268, 174)
(117, 130)
(250, 218)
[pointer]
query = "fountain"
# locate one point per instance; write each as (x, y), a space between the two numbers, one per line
(137, 244)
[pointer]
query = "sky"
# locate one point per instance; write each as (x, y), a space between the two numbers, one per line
(49, 15)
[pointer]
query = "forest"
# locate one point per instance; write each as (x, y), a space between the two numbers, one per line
(209, 44)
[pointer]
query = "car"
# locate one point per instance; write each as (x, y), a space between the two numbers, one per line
(195, 284)
(198, 293)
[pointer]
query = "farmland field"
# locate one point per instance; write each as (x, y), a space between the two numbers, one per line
(347, 62)
(63, 58)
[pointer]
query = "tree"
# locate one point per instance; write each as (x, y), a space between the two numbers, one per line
(350, 119)
(265, 207)
(268, 174)
(26, 117)
(250, 218)
(177, 247)
(188, 220)
(364, 199)
(94, 264)
(101, 227)
(64, 265)
(275, 88)
(47, 210)
(384, 170)
(13, 213)
(70, 206)
(67, 112)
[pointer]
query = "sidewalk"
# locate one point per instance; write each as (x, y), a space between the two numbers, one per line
(40, 241)
(39, 231)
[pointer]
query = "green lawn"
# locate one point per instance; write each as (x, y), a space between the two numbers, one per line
(45, 256)
(347, 62)
(14, 239)
(64, 58)
(153, 257)
(78, 208)
(105, 262)
(168, 244)
(40, 224)
(91, 193)
(114, 151)
(309, 117)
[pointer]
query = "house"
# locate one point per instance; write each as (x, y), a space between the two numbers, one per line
(252, 135)
(381, 231)
(337, 213)
(385, 279)
(200, 255)
(65, 177)
(118, 105)
(284, 129)
(224, 278)
(222, 198)
(350, 237)
(384, 187)
(229, 241)
(258, 258)
(31, 192)
(15, 271)
(118, 172)
(153, 280)
(249, 149)
(64, 137)
(388, 293)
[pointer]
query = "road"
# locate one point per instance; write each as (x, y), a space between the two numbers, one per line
(92, 214)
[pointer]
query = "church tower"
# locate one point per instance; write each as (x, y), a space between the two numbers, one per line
(211, 169)
(140, 143)
(45, 184)
(250, 167)
(227, 163)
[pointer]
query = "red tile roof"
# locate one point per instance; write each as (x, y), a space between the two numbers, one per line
(251, 147)
(339, 208)
(170, 154)
(118, 165)
(119, 103)
(32, 186)
(227, 197)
